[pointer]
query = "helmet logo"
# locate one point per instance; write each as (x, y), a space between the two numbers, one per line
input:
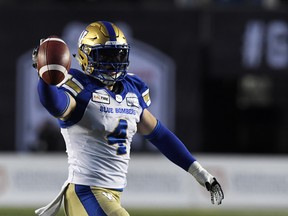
(82, 35)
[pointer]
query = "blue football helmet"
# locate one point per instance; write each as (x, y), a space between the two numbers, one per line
(103, 52)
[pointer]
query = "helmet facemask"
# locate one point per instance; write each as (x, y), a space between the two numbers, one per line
(108, 63)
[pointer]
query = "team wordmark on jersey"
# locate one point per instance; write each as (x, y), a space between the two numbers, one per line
(101, 98)
(106, 109)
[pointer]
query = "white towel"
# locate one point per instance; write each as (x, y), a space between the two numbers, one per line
(53, 207)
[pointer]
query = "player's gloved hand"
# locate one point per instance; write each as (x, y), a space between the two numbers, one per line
(207, 180)
(34, 57)
(35, 54)
(216, 191)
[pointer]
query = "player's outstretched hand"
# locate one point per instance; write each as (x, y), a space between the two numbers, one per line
(216, 191)
(207, 180)
(35, 54)
(34, 57)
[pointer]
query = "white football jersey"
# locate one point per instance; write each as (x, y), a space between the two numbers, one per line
(99, 132)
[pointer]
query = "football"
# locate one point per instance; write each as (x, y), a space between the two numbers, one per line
(53, 60)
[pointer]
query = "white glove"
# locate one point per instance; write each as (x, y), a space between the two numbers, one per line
(207, 180)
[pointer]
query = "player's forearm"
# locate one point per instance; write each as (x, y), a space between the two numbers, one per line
(171, 146)
(53, 99)
(175, 150)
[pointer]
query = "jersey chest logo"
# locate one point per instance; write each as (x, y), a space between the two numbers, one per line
(101, 98)
(132, 101)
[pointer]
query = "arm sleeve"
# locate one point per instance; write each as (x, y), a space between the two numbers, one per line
(142, 88)
(56, 101)
(170, 146)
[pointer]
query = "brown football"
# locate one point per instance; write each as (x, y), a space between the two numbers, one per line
(53, 60)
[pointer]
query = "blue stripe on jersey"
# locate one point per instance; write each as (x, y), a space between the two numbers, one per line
(110, 29)
(89, 201)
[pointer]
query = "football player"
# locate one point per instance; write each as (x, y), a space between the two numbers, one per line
(99, 110)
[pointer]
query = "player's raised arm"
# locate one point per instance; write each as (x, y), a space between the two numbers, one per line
(175, 150)
(52, 61)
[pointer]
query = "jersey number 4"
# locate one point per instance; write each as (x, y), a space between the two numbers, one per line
(118, 136)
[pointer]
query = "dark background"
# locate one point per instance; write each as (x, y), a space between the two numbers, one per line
(206, 43)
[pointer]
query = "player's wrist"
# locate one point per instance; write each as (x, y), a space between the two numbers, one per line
(199, 173)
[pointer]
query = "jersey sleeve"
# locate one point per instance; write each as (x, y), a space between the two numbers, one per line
(75, 86)
(53, 99)
(73, 83)
(142, 88)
